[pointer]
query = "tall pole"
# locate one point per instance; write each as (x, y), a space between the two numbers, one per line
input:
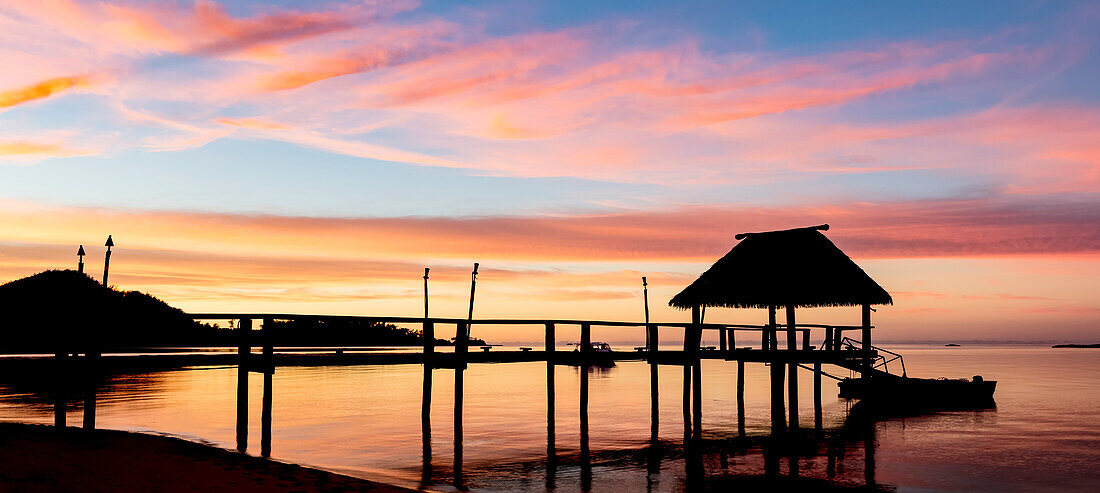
(473, 287)
(651, 353)
(645, 299)
(428, 333)
(107, 260)
(426, 292)
(80, 259)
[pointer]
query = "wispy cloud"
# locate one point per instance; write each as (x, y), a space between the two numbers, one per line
(41, 90)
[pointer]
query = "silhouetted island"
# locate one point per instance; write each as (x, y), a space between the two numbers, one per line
(59, 311)
(1087, 346)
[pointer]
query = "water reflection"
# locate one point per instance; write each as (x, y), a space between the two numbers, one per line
(363, 419)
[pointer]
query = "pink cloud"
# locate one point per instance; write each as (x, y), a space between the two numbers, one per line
(943, 228)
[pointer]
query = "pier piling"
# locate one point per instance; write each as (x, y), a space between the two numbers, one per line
(817, 398)
(740, 398)
(551, 391)
(91, 376)
(243, 351)
(269, 373)
(792, 379)
(654, 400)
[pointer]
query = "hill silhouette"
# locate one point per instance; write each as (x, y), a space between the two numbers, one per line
(65, 310)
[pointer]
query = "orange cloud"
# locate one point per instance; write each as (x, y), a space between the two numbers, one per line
(943, 228)
(22, 148)
(41, 90)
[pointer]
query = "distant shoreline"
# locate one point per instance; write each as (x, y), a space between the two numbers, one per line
(1085, 346)
(42, 458)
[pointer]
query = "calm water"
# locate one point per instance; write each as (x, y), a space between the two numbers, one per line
(365, 421)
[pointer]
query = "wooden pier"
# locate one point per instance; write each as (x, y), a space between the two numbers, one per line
(739, 279)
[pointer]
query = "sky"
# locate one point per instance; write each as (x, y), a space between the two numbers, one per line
(314, 157)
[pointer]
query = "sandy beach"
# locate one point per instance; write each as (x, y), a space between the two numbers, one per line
(39, 458)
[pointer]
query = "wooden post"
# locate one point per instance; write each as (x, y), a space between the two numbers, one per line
(428, 333)
(243, 349)
(697, 380)
(805, 339)
(828, 343)
(457, 467)
(551, 445)
(462, 344)
(866, 339)
(586, 457)
(817, 396)
(586, 338)
(687, 398)
(792, 379)
(61, 369)
(732, 339)
(265, 417)
(269, 371)
(722, 341)
(772, 327)
(740, 398)
(654, 401)
(91, 377)
(779, 418)
(426, 428)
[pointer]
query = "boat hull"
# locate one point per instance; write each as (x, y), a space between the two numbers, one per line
(920, 393)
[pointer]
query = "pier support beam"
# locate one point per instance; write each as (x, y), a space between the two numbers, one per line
(90, 379)
(866, 326)
(244, 348)
(817, 397)
(61, 370)
(551, 445)
(792, 379)
(462, 335)
(779, 419)
(586, 338)
(740, 398)
(697, 371)
(586, 458)
(269, 372)
(654, 401)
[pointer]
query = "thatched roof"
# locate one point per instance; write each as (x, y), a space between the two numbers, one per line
(799, 267)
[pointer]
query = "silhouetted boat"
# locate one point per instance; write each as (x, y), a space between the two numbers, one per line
(600, 354)
(952, 345)
(920, 393)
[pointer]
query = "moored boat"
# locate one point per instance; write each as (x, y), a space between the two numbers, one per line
(921, 393)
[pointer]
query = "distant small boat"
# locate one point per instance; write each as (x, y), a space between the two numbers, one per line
(597, 347)
(952, 345)
(921, 393)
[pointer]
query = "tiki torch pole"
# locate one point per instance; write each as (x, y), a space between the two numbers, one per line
(80, 259)
(645, 298)
(426, 293)
(107, 260)
(473, 286)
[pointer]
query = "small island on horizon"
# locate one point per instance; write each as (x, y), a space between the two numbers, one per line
(1085, 346)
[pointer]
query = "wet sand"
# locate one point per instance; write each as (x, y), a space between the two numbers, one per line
(39, 458)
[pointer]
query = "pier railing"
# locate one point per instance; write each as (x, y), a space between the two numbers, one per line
(830, 338)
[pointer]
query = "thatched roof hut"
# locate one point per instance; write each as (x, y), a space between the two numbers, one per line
(794, 267)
